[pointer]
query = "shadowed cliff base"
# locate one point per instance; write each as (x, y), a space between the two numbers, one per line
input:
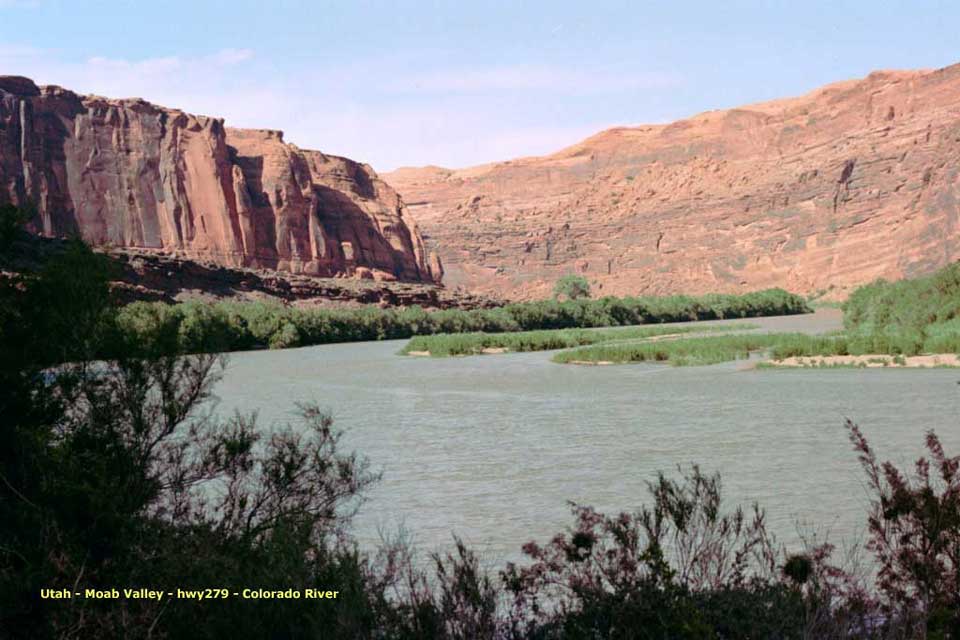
(151, 276)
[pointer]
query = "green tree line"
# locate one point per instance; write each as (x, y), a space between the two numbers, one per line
(238, 326)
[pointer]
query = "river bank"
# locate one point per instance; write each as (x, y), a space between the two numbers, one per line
(869, 361)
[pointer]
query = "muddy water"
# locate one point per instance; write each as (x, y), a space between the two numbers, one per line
(493, 447)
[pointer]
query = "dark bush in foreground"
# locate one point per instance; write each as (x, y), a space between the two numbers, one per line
(12, 220)
(679, 568)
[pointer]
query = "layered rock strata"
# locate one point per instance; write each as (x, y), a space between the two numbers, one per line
(127, 173)
(820, 193)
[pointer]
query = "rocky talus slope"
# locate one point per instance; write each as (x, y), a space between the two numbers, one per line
(156, 276)
(128, 173)
(820, 193)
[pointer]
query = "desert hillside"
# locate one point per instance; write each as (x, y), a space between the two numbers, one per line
(853, 181)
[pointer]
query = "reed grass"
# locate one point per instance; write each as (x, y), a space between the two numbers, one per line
(446, 345)
(680, 352)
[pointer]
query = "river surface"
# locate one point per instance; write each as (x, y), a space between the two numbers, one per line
(492, 447)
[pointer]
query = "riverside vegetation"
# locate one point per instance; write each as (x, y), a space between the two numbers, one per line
(892, 319)
(680, 352)
(460, 344)
(904, 318)
(238, 326)
(777, 346)
(896, 319)
(106, 475)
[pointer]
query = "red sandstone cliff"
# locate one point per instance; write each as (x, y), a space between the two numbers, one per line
(131, 174)
(854, 181)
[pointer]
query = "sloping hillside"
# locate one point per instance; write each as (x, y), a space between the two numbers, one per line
(826, 191)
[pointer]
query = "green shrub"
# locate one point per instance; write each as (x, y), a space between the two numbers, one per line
(572, 287)
(286, 336)
(205, 328)
(908, 316)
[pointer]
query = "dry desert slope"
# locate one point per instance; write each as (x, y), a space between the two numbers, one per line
(853, 181)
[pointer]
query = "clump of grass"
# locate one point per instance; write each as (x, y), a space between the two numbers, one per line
(715, 349)
(798, 345)
(681, 352)
(460, 344)
(900, 343)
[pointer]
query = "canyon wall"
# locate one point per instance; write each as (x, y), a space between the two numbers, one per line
(128, 173)
(816, 194)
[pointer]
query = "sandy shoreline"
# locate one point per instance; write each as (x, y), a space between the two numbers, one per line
(871, 361)
(484, 351)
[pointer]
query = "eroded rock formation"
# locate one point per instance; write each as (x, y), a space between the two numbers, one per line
(128, 173)
(854, 181)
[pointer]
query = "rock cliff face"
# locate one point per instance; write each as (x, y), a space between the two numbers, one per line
(854, 181)
(131, 174)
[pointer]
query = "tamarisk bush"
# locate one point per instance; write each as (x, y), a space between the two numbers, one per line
(914, 533)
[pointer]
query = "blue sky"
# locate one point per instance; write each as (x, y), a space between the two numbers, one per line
(460, 83)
